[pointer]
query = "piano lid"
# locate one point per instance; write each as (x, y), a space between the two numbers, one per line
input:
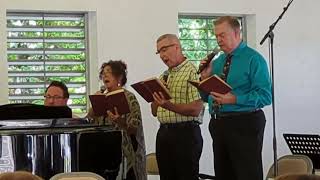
(23, 123)
(44, 123)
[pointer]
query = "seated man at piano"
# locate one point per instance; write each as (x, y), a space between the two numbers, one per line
(56, 94)
(56, 98)
(114, 76)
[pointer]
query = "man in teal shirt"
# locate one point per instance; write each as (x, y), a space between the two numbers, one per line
(237, 123)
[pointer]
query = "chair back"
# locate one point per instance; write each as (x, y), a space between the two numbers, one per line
(77, 176)
(151, 164)
(19, 175)
(292, 164)
(205, 176)
(298, 177)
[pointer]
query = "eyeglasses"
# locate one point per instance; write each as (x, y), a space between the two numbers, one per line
(53, 97)
(164, 48)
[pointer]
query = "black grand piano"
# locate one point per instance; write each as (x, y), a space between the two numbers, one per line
(47, 141)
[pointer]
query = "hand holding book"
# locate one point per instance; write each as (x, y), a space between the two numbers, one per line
(113, 115)
(160, 100)
(148, 87)
(212, 84)
(101, 103)
(227, 98)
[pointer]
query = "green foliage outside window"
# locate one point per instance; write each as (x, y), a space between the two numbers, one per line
(197, 37)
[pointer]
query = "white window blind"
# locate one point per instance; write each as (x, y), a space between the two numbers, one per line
(42, 47)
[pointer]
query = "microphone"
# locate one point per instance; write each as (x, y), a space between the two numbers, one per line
(102, 89)
(165, 76)
(208, 59)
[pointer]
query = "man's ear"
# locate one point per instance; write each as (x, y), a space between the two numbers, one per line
(66, 101)
(238, 32)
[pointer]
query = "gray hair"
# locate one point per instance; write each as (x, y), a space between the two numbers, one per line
(232, 21)
(171, 37)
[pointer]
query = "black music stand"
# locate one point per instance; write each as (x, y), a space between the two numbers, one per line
(306, 144)
(101, 153)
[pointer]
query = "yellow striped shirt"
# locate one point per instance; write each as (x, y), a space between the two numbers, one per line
(181, 92)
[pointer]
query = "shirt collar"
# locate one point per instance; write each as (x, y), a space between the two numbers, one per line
(177, 68)
(238, 49)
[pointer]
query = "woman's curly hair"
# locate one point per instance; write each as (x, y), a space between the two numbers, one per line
(119, 69)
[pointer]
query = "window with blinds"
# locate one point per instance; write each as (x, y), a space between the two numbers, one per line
(42, 47)
(197, 37)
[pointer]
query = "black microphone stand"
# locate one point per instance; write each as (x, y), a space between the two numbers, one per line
(270, 35)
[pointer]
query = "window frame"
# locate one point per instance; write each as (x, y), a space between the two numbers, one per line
(45, 82)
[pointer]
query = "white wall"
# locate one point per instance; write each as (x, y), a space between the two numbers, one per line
(128, 29)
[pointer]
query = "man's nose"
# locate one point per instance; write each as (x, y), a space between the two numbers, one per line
(162, 55)
(219, 39)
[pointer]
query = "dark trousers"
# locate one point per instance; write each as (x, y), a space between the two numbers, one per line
(178, 151)
(237, 146)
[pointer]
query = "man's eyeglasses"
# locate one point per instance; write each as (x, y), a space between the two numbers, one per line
(53, 97)
(164, 48)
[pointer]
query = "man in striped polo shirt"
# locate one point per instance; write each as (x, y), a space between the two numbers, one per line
(179, 141)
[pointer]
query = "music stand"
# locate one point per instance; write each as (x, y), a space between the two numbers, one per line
(101, 153)
(306, 144)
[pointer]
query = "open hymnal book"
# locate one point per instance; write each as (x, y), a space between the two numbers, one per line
(212, 84)
(147, 87)
(104, 102)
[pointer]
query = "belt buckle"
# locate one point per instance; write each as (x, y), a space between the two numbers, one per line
(214, 116)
